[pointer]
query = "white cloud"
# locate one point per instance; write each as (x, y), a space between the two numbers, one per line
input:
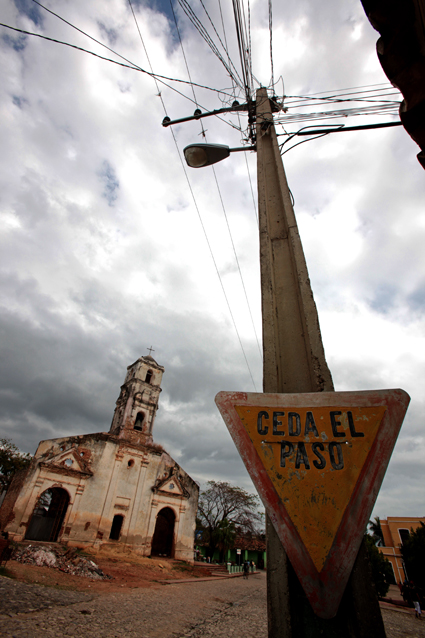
(104, 253)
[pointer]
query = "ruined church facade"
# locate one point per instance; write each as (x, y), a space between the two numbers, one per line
(109, 490)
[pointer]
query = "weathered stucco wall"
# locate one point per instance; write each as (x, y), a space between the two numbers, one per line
(98, 478)
(107, 477)
(7, 514)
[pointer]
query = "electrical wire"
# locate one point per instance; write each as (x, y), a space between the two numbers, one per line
(239, 119)
(132, 66)
(219, 193)
(194, 199)
(219, 38)
(271, 41)
(347, 95)
(226, 48)
(204, 33)
(342, 113)
(242, 48)
(104, 45)
(237, 261)
(247, 33)
(302, 141)
(307, 102)
(352, 88)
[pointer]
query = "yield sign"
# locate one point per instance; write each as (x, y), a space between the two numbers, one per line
(317, 461)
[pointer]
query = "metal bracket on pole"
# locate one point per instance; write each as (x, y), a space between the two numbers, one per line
(198, 115)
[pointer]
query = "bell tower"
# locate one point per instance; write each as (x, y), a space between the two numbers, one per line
(138, 401)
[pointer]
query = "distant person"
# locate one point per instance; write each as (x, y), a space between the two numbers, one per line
(407, 592)
(415, 600)
(246, 569)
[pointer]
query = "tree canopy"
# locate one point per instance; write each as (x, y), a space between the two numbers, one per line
(222, 509)
(413, 552)
(376, 531)
(382, 572)
(11, 461)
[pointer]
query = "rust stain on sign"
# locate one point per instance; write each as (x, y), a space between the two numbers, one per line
(317, 461)
(313, 458)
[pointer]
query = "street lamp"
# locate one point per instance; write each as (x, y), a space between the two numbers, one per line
(200, 155)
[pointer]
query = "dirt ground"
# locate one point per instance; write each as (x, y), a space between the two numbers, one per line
(133, 603)
(126, 572)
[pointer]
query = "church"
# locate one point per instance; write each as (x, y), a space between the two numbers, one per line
(115, 489)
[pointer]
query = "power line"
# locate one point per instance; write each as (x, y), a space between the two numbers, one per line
(219, 39)
(250, 48)
(271, 40)
(132, 66)
(239, 120)
(219, 193)
(237, 261)
(218, 187)
(352, 88)
(327, 115)
(379, 98)
(194, 199)
(239, 23)
(322, 132)
(204, 33)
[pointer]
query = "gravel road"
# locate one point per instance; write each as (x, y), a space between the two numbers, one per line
(219, 608)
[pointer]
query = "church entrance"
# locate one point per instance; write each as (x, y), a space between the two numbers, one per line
(162, 541)
(48, 515)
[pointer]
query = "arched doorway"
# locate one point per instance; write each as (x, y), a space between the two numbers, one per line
(162, 541)
(48, 515)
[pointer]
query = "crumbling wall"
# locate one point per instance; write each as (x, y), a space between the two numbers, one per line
(6, 510)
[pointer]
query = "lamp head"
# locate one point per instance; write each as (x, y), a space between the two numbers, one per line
(199, 155)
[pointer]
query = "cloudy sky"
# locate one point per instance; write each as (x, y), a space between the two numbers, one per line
(104, 251)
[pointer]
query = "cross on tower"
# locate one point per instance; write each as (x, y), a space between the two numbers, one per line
(150, 350)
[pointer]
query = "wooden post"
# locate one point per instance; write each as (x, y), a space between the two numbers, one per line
(294, 361)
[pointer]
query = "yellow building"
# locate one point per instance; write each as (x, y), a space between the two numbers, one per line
(395, 530)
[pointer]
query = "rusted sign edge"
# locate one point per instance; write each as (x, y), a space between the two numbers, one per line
(325, 589)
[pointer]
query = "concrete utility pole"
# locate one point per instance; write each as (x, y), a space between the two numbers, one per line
(294, 361)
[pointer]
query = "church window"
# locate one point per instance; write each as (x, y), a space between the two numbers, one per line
(149, 374)
(138, 424)
(130, 463)
(68, 462)
(116, 527)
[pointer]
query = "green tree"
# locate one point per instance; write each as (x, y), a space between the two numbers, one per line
(382, 572)
(413, 552)
(376, 530)
(221, 509)
(225, 535)
(11, 461)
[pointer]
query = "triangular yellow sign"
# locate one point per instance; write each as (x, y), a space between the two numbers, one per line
(317, 461)
(313, 458)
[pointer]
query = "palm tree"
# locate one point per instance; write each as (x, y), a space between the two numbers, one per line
(376, 531)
